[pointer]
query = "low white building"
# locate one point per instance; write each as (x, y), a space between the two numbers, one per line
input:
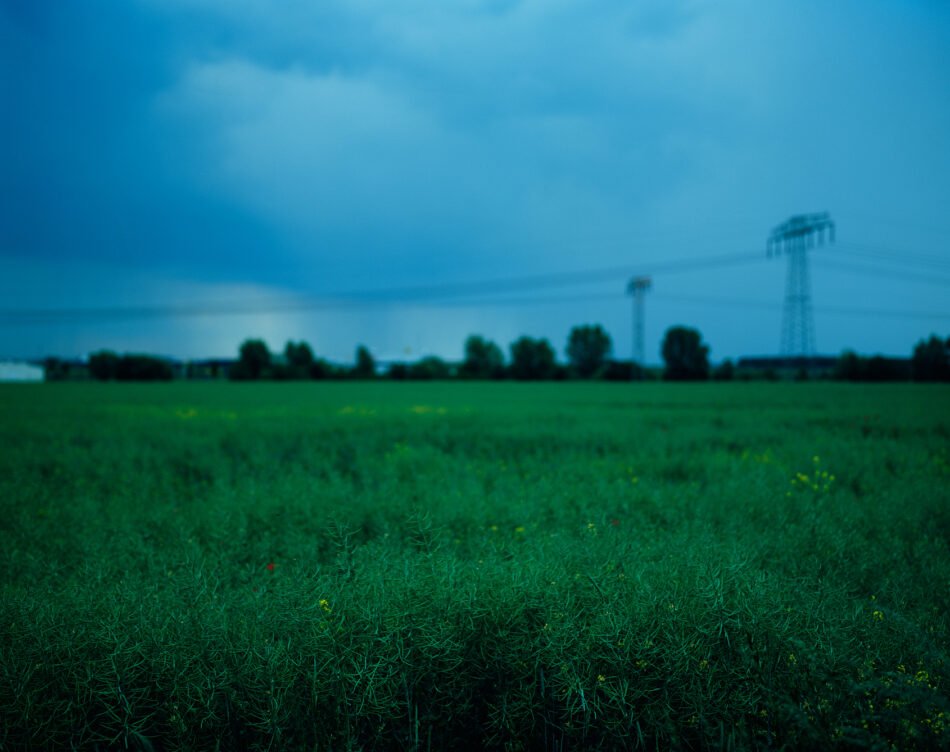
(11, 371)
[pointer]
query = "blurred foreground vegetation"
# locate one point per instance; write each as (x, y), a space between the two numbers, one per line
(470, 566)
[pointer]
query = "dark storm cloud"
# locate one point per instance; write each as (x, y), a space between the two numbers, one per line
(89, 172)
(217, 147)
(436, 125)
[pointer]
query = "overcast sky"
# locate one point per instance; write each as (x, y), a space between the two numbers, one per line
(258, 155)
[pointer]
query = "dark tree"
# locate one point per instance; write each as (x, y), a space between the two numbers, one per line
(299, 361)
(622, 370)
(879, 368)
(931, 360)
(685, 355)
(587, 349)
(429, 368)
(365, 364)
(321, 369)
(143, 368)
(849, 367)
(532, 359)
(254, 361)
(55, 369)
(103, 365)
(725, 371)
(483, 359)
(298, 354)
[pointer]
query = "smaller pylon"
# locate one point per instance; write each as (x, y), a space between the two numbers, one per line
(638, 287)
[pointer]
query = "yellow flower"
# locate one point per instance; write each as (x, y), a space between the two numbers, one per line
(792, 660)
(878, 616)
(704, 663)
(519, 529)
(325, 605)
(601, 678)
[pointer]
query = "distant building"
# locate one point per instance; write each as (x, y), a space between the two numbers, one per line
(66, 369)
(13, 371)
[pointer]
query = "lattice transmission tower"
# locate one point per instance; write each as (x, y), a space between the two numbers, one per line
(638, 288)
(794, 238)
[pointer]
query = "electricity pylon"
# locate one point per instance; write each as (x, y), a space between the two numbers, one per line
(638, 287)
(794, 238)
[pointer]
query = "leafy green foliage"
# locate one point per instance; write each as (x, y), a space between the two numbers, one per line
(532, 359)
(725, 371)
(685, 355)
(103, 365)
(483, 359)
(474, 566)
(931, 360)
(853, 367)
(365, 367)
(254, 361)
(587, 349)
(107, 366)
(429, 368)
(299, 361)
(143, 368)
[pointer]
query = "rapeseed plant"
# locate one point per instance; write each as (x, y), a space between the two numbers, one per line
(490, 643)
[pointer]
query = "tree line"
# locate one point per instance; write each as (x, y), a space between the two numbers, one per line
(588, 350)
(588, 353)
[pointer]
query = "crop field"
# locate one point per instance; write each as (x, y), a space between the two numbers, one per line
(336, 566)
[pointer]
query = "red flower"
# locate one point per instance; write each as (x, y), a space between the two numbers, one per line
(270, 567)
(615, 523)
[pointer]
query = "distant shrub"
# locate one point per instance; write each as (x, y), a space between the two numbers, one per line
(622, 370)
(108, 366)
(143, 368)
(853, 367)
(725, 371)
(103, 365)
(398, 372)
(428, 369)
(321, 369)
(931, 360)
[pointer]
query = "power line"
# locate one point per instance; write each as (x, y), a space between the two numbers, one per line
(880, 272)
(474, 294)
(613, 298)
(420, 293)
(893, 256)
(832, 310)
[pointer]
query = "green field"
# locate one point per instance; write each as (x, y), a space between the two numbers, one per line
(469, 566)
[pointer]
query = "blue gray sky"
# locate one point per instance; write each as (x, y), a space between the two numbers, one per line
(266, 158)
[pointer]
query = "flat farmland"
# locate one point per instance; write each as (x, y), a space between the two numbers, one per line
(474, 566)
